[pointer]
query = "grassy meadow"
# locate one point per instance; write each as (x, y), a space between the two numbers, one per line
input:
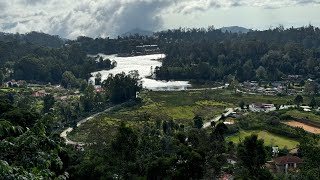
(269, 138)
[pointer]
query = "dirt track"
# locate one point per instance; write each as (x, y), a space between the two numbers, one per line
(304, 126)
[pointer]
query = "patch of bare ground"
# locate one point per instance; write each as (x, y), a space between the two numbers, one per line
(306, 127)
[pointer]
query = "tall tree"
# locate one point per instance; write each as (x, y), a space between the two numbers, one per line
(198, 121)
(252, 155)
(48, 101)
(122, 87)
(298, 100)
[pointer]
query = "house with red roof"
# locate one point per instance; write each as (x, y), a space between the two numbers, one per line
(287, 163)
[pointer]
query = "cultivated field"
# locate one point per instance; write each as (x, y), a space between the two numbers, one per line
(306, 127)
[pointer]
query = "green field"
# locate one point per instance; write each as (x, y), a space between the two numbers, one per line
(179, 106)
(303, 115)
(269, 139)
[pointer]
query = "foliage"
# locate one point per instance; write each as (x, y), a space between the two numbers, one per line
(207, 54)
(252, 155)
(26, 150)
(122, 87)
(198, 121)
(48, 102)
(298, 100)
(309, 148)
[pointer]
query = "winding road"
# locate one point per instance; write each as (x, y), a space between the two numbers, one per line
(65, 133)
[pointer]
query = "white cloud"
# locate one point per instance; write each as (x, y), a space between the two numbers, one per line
(70, 18)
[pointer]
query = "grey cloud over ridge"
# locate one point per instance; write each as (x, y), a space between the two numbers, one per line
(70, 18)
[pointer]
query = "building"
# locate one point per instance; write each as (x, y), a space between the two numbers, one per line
(40, 93)
(258, 107)
(287, 163)
(147, 49)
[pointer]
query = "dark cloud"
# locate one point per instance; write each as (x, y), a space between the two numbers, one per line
(71, 18)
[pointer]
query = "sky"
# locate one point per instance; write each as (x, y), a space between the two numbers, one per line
(102, 18)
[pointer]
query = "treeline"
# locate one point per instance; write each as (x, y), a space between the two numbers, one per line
(209, 54)
(198, 54)
(36, 38)
(24, 61)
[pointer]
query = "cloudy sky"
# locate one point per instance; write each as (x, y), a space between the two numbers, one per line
(101, 18)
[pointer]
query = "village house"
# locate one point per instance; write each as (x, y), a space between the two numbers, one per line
(98, 89)
(14, 83)
(40, 93)
(287, 163)
(259, 107)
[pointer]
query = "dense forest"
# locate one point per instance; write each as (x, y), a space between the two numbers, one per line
(208, 54)
(191, 54)
(36, 61)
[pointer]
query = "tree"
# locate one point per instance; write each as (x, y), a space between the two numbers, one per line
(198, 121)
(69, 80)
(241, 104)
(298, 100)
(97, 78)
(252, 155)
(261, 73)
(212, 124)
(313, 103)
(122, 87)
(87, 100)
(48, 101)
(309, 150)
(1, 77)
(310, 88)
(125, 143)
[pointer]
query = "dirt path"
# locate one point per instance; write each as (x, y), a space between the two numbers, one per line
(65, 133)
(306, 127)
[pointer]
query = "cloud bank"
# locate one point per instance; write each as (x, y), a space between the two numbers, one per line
(101, 18)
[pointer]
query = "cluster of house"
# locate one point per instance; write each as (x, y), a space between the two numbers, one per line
(277, 165)
(147, 49)
(142, 50)
(14, 83)
(274, 88)
(260, 107)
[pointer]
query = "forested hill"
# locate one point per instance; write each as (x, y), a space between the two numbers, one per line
(21, 60)
(191, 54)
(209, 54)
(36, 38)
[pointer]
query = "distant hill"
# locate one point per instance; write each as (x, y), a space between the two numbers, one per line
(235, 29)
(36, 38)
(138, 31)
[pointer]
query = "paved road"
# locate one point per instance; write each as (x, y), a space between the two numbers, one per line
(191, 89)
(229, 111)
(65, 133)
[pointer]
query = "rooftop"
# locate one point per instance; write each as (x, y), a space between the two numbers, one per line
(288, 159)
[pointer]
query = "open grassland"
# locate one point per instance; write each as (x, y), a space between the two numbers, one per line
(269, 139)
(303, 115)
(101, 129)
(230, 96)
